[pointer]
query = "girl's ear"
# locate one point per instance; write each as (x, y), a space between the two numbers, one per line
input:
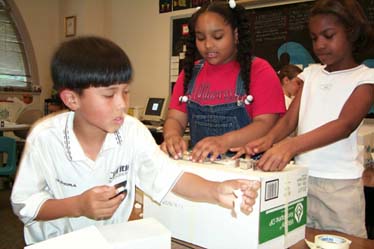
(70, 99)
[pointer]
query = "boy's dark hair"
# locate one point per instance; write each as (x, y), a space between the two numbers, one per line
(290, 71)
(236, 18)
(352, 16)
(89, 61)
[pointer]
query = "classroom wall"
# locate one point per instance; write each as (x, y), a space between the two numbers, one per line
(136, 26)
(41, 20)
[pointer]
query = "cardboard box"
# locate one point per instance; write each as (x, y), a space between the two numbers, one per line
(137, 234)
(88, 237)
(282, 194)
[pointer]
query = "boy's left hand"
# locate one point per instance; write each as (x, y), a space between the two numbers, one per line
(226, 197)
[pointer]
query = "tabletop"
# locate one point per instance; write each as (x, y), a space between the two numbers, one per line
(13, 127)
(310, 233)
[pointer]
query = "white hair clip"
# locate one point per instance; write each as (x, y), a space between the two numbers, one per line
(183, 99)
(248, 99)
(232, 4)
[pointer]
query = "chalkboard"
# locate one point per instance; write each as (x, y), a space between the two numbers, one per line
(277, 30)
(282, 29)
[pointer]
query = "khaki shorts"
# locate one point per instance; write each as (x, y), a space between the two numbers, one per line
(337, 205)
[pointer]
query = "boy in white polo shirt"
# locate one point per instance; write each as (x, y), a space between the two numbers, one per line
(72, 160)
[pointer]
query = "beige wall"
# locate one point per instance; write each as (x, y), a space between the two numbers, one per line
(41, 20)
(145, 36)
(134, 25)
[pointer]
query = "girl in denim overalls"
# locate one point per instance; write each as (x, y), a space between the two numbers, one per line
(229, 97)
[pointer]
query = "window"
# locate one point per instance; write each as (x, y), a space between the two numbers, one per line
(14, 70)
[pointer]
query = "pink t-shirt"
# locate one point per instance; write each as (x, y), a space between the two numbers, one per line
(216, 84)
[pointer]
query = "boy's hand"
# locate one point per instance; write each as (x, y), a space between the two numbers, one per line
(100, 202)
(226, 196)
(174, 146)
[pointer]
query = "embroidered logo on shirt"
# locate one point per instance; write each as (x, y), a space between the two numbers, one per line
(326, 86)
(120, 171)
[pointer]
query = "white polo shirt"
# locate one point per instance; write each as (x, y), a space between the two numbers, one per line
(54, 166)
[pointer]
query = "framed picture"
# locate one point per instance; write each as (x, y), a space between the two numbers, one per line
(70, 25)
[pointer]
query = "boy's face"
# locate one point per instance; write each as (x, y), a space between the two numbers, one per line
(103, 107)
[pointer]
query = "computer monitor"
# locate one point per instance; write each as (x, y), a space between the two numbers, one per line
(155, 109)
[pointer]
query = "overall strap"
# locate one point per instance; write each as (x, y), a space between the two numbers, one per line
(195, 71)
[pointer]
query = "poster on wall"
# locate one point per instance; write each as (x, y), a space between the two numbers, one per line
(196, 3)
(165, 6)
(181, 4)
(173, 5)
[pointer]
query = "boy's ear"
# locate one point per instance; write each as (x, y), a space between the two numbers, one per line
(70, 99)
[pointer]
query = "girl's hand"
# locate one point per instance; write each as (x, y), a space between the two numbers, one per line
(258, 145)
(99, 203)
(253, 148)
(174, 145)
(226, 197)
(276, 158)
(210, 147)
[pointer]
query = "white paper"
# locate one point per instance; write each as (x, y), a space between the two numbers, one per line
(88, 237)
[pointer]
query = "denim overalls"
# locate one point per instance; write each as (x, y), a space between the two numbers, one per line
(215, 120)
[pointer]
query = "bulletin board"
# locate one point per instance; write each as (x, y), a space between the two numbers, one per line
(277, 29)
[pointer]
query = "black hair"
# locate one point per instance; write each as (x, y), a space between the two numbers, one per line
(238, 19)
(351, 15)
(89, 61)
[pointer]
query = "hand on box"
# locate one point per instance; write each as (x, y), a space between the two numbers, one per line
(277, 158)
(98, 202)
(174, 145)
(254, 147)
(227, 196)
(211, 147)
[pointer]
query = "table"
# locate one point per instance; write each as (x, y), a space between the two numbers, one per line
(357, 243)
(14, 127)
